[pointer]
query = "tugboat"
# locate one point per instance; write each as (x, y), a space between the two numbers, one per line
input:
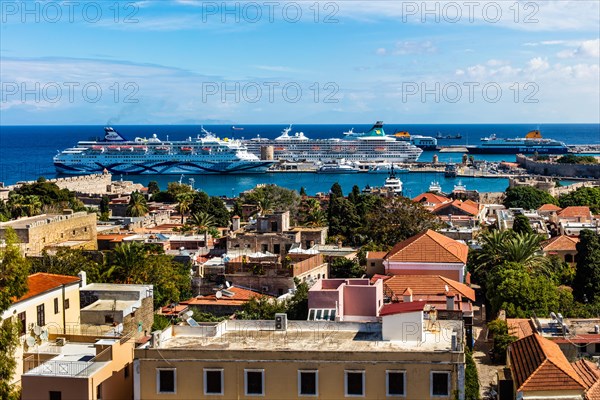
(393, 184)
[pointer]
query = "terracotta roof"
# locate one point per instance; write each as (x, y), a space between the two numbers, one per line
(520, 327)
(113, 237)
(168, 310)
(377, 277)
(468, 206)
(430, 198)
(538, 364)
(429, 247)
(588, 371)
(240, 296)
(42, 282)
(398, 308)
(575, 211)
(424, 285)
(560, 243)
(549, 207)
(376, 254)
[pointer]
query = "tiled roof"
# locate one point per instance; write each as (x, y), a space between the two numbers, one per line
(429, 247)
(423, 285)
(538, 364)
(590, 374)
(377, 277)
(468, 207)
(397, 308)
(575, 211)
(42, 282)
(519, 327)
(431, 198)
(168, 310)
(376, 254)
(549, 207)
(240, 296)
(560, 243)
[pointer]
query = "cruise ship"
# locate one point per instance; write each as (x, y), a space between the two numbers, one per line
(530, 144)
(200, 155)
(371, 146)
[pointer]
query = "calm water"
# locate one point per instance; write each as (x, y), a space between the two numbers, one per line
(26, 152)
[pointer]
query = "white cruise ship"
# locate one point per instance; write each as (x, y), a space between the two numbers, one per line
(371, 146)
(201, 155)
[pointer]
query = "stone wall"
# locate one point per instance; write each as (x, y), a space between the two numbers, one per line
(555, 169)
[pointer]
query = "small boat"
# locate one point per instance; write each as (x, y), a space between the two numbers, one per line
(235, 128)
(435, 187)
(393, 184)
(335, 168)
(384, 168)
(140, 148)
(451, 171)
(162, 149)
(380, 149)
(99, 149)
(459, 187)
(186, 149)
(114, 148)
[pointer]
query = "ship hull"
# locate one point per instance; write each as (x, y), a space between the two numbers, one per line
(517, 150)
(165, 168)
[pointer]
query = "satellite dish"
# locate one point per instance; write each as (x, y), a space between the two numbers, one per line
(219, 294)
(37, 330)
(227, 285)
(30, 341)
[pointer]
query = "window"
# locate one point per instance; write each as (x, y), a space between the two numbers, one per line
(440, 384)
(108, 319)
(276, 248)
(23, 320)
(395, 383)
(41, 315)
(355, 383)
(126, 371)
(99, 392)
(165, 380)
(55, 395)
(56, 305)
(372, 264)
(67, 304)
(274, 226)
(254, 382)
(316, 314)
(308, 383)
(265, 248)
(213, 381)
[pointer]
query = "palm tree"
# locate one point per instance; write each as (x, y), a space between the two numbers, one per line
(137, 205)
(127, 260)
(204, 223)
(33, 205)
(184, 201)
(499, 247)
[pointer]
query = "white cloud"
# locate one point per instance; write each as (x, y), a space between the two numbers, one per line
(538, 64)
(381, 51)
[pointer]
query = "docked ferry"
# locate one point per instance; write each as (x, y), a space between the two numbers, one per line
(422, 142)
(370, 146)
(201, 155)
(530, 144)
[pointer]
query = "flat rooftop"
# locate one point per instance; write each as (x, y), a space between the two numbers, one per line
(308, 336)
(110, 305)
(125, 287)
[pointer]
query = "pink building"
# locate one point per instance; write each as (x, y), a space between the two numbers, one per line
(345, 300)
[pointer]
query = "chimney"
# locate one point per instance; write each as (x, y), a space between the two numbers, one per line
(83, 276)
(235, 223)
(449, 301)
(407, 296)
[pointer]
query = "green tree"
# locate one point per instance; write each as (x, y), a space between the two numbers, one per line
(104, 205)
(14, 269)
(302, 191)
(513, 288)
(471, 377)
(125, 261)
(69, 262)
(137, 206)
(502, 338)
(585, 196)
(521, 225)
(575, 159)
(261, 308)
(153, 187)
(397, 219)
(586, 284)
(344, 222)
(270, 198)
(297, 306)
(527, 197)
(341, 267)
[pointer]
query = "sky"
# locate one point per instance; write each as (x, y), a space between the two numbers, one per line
(193, 62)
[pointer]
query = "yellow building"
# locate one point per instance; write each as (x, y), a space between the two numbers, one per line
(407, 356)
(49, 306)
(85, 367)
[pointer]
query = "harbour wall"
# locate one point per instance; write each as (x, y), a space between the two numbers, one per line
(548, 168)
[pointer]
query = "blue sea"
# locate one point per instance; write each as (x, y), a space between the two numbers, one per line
(26, 152)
